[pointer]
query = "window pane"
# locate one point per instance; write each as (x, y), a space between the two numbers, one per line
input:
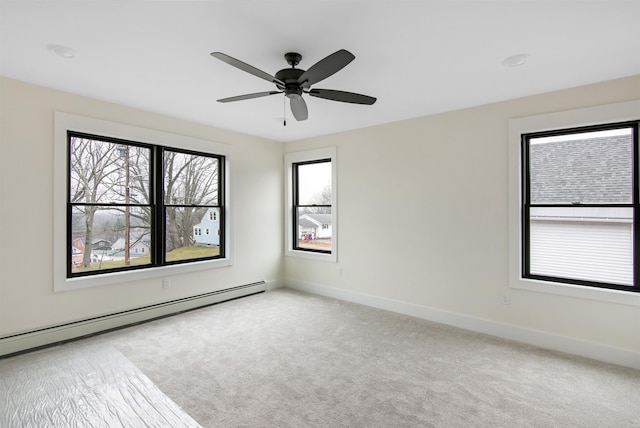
(588, 167)
(192, 233)
(190, 179)
(592, 244)
(100, 236)
(314, 183)
(104, 172)
(314, 228)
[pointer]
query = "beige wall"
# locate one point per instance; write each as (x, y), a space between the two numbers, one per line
(433, 189)
(27, 299)
(423, 217)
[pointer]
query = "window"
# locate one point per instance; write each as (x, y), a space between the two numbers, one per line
(311, 204)
(124, 194)
(579, 203)
(574, 200)
(130, 203)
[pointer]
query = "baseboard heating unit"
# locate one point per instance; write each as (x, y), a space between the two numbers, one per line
(47, 336)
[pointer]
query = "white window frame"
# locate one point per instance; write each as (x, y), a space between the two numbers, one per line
(306, 156)
(64, 122)
(611, 113)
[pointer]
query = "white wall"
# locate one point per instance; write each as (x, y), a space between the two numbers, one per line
(423, 209)
(27, 299)
(439, 186)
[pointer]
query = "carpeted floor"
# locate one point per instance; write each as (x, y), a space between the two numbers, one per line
(291, 359)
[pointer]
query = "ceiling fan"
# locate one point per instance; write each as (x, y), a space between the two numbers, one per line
(294, 82)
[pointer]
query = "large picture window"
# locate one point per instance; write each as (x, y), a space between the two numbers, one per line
(134, 205)
(579, 207)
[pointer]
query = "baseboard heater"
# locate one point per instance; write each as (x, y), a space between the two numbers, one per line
(48, 336)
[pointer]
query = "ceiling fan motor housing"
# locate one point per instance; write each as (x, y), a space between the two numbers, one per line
(289, 76)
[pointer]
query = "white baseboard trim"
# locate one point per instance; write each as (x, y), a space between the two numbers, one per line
(20, 342)
(570, 345)
(272, 284)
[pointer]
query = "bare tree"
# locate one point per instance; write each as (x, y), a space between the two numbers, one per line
(321, 198)
(190, 180)
(135, 190)
(92, 164)
(106, 173)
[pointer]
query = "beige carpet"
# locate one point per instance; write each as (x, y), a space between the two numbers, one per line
(290, 359)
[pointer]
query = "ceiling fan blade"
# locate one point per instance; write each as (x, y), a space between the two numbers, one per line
(345, 97)
(246, 67)
(248, 96)
(299, 108)
(326, 67)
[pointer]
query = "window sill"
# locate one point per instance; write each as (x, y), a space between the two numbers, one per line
(65, 284)
(578, 291)
(323, 257)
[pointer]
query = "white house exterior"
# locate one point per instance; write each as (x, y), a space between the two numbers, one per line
(207, 232)
(593, 247)
(137, 248)
(314, 226)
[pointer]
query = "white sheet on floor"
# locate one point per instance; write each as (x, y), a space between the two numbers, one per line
(76, 385)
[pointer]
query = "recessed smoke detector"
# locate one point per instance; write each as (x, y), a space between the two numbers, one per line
(516, 60)
(63, 51)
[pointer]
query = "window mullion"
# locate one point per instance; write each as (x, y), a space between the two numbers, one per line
(158, 216)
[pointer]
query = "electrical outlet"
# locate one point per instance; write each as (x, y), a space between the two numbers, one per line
(166, 283)
(506, 299)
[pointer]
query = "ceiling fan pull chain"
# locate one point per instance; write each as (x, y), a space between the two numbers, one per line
(284, 109)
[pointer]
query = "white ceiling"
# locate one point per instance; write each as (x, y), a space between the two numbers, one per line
(416, 57)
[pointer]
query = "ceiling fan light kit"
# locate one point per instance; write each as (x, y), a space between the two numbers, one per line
(294, 82)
